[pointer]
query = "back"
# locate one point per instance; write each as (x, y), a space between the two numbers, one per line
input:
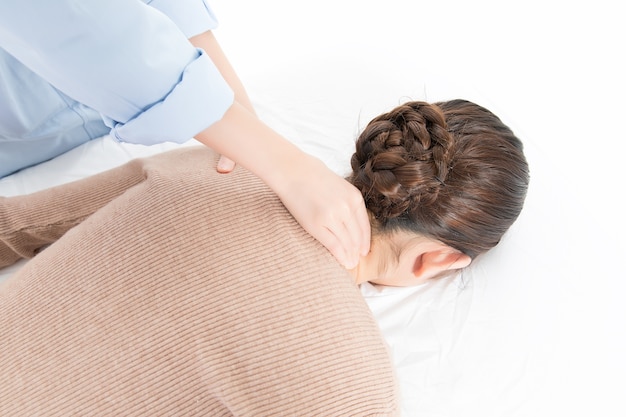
(193, 293)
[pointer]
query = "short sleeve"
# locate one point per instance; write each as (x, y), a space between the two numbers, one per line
(191, 106)
(127, 60)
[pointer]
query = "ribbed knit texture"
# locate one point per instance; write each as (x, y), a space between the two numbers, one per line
(191, 293)
(29, 222)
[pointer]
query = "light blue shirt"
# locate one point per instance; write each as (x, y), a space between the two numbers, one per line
(73, 70)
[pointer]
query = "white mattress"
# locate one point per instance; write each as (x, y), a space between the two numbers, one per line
(536, 327)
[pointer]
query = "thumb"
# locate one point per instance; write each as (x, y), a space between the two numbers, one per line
(225, 164)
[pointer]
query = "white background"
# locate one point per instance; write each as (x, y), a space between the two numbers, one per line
(554, 71)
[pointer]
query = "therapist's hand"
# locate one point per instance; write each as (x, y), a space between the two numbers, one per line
(330, 208)
(326, 205)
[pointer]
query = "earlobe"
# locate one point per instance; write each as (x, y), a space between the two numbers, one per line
(435, 262)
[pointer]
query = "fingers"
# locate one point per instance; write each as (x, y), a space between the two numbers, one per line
(349, 233)
(355, 233)
(328, 207)
(329, 239)
(225, 165)
(364, 226)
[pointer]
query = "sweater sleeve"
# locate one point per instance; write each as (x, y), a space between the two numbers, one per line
(30, 222)
(125, 59)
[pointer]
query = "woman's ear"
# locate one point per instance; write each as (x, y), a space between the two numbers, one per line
(436, 261)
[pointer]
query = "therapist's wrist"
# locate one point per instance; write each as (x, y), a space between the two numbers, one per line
(292, 169)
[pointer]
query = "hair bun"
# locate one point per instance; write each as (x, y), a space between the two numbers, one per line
(402, 159)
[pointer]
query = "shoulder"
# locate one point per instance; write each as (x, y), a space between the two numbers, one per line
(190, 174)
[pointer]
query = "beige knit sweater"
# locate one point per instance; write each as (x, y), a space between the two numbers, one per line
(186, 293)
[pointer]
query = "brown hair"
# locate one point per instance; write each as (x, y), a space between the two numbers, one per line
(449, 170)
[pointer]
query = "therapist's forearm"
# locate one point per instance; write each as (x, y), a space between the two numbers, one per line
(211, 46)
(244, 138)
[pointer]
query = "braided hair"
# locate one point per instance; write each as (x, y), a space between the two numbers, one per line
(449, 170)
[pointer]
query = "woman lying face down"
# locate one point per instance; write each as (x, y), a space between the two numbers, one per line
(442, 183)
(171, 289)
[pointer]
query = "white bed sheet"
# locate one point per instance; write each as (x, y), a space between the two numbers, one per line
(534, 328)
